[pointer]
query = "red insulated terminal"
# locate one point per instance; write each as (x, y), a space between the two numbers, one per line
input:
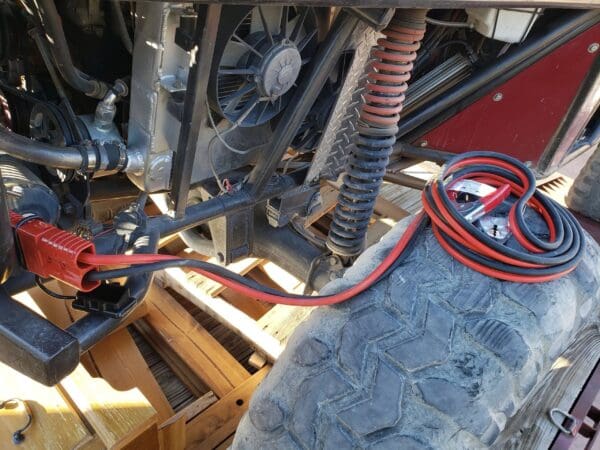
(51, 252)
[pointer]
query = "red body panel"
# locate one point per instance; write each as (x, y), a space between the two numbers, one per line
(532, 105)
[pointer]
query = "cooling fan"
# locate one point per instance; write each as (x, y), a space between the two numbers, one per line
(260, 62)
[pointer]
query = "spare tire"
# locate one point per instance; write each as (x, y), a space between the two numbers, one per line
(584, 195)
(435, 356)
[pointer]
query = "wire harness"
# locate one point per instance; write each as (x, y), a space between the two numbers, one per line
(532, 259)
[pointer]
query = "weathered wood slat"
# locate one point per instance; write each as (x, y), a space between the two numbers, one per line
(56, 423)
(212, 288)
(121, 364)
(219, 421)
(117, 418)
(193, 409)
(116, 358)
(221, 310)
(188, 340)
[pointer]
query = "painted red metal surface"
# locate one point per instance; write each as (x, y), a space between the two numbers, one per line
(520, 117)
(585, 410)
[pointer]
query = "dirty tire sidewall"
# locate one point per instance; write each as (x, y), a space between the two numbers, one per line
(584, 195)
(435, 356)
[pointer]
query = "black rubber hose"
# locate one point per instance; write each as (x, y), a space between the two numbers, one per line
(120, 25)
(36, 152)
(55, 36)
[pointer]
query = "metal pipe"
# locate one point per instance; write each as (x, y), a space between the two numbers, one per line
(20, 280)
(304, 97)
(482, 82)
(288, 250)
(195, 106)
(449, 24)
(405, 180)
(218, 206)
(423, 153)
(52, 24)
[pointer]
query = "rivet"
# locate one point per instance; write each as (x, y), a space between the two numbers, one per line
(593, 48)
(498, 96)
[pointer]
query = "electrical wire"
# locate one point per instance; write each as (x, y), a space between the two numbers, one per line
(147, 263)
(40, 283)
(537, 260)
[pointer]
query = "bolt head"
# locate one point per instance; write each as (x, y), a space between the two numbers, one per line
(423, 143)
(593, 48)
(18, 437)
(498, 96)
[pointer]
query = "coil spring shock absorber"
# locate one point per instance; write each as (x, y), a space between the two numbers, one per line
(392, 62)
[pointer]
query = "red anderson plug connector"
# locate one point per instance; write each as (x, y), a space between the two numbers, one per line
(51, 252)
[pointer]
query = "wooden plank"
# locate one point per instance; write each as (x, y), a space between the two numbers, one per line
(56, 424)
(181, 369)
(226, 443)
(121, 364)
(283, 278)
(221, 310)
(559, 388)
(384, 207)
(147, 440)
(193, 409)
(192, 343)
(117, 417)
(172, 436)
(213, 288)
(116, 358)
(282, 320)
(250, 306)
(219, 421)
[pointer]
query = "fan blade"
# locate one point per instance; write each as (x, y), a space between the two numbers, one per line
(283, 22)
(255, 100)
(235, 37)
(265, 106)
(272, 15)
(297, 23)
(306, 39)
(232, 54)
(232, 101)
(265, 24)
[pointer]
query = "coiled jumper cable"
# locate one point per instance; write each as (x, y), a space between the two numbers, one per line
(537, 260)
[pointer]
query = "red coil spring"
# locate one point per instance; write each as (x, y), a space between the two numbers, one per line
(390, 71)
(377, 127)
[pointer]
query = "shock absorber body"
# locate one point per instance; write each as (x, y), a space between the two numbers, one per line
(389, 71)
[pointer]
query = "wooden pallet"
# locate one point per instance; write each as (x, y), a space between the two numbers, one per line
(180, 373)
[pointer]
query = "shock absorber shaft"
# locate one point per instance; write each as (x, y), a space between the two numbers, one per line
(389, 71)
